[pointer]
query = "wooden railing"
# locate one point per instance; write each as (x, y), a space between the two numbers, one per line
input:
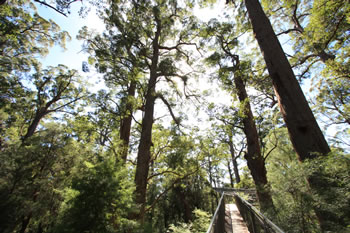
(217, 224)
(256, 221)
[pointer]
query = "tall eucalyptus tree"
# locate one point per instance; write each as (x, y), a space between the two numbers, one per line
(233, 72)
(156, 33)
(305, 134)
(304, 131)
(114, 54)
(319, 38)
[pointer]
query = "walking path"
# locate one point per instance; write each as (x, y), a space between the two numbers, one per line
(233, 220)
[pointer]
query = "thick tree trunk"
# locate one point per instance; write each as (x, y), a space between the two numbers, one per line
(303, 129)
(144, 150)
(144, 153)
(34, 124)
(305, 134)
(255, 160)
(125, 124)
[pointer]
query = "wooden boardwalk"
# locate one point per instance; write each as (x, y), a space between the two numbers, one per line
(233, 220)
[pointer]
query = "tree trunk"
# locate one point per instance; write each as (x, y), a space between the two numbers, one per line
(303, 129)
(144, 150)
(40, 113)
(186, 211)
(304, 132)
(144, 153)
(234, 162)
(125, 124)
(230, 172)
(236, 171)
(25, 223)
(211, 181)
(255, 160)
(40, 228)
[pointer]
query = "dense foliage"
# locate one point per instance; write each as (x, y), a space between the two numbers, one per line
(143, 153)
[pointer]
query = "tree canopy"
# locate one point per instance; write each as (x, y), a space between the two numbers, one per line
(255, 97)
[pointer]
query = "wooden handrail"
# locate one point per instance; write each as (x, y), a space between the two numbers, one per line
(215, 216)
(217, 224)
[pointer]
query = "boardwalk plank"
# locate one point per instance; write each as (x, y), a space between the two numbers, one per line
(234, 220)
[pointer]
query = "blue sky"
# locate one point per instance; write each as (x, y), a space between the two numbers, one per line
(72, 56)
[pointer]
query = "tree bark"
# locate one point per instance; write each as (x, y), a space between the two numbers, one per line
(210, 172)
(236, 171)
(304, 132)
(255, 160)
(230, 173)
(125, 124)
(187, 210)
(303, 129)
(234, 162)
(25, 223)
(144, 150)
(40, 113)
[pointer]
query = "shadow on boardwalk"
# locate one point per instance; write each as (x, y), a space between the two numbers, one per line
(233, 220)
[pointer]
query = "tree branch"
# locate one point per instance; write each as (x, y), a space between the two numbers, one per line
(170, 109)
(288, 31)
(229, 123)
(162, 173)
(66, 104)
(48, 5)
(268, 153)
(169, 188)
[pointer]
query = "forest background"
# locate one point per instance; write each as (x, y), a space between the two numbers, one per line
(136, 141)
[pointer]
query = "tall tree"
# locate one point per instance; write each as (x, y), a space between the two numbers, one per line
(304, 131)
(254, 157)
(152, 25)
(305, 134)
(114, 54)
(227, 129)
(57, 91)
(227, 41)
(318, 31)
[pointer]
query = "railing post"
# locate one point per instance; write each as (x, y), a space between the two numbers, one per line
(220, 223)
(216, 220)
(253, 222)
